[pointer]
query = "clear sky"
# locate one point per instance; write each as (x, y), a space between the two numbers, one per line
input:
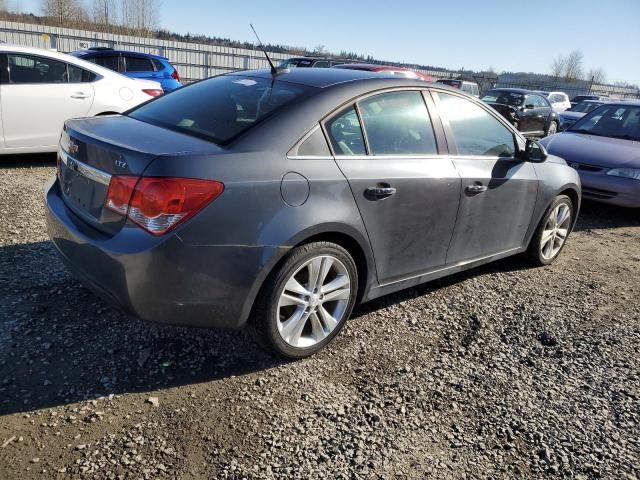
(509, 35)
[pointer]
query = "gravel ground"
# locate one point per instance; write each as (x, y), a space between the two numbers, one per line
(501, 372)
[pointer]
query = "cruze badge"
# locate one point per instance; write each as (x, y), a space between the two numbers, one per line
(121, 164)
(73, 148)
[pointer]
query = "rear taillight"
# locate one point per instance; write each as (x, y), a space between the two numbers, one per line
(153, 92)
(158, 204)
(175, 75)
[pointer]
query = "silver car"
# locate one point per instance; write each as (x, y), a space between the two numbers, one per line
(280, 200)
(603, 146)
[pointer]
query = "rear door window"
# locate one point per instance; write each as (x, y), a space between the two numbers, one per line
(397, 123)
(110, 62)
(137, 64)
(345, 133)
(80, 75)
(475, 131)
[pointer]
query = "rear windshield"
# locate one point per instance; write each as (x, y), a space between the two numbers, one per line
(220, 108)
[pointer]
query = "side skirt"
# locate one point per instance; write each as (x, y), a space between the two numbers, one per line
(380, 290)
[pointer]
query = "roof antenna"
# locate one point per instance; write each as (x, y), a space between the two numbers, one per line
(274, 70)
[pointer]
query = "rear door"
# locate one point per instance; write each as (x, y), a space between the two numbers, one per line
(498, 191)
(39, 96)
(406, 190)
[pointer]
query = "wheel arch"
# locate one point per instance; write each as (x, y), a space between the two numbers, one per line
(343, 235)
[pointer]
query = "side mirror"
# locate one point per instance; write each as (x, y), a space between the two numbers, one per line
(529, 106)
(533, 152)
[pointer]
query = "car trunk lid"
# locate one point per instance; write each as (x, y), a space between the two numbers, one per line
(93, 150)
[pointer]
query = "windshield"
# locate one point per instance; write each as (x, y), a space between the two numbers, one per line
(586, 107)
(614, 121)
(220, 108)
(297, 62)
(514, 99)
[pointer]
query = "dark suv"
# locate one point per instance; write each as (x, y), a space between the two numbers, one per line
(134, 65)
(530, 112)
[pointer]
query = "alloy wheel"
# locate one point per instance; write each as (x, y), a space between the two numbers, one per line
(556, 230)
(553, 129)
(313, 301)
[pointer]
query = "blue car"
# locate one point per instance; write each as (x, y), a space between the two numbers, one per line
(134, 65)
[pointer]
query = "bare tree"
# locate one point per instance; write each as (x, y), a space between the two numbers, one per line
(142, 15)
(573, 69)
(597, 75)
(105, 13)
(64, 11)
(559, 66)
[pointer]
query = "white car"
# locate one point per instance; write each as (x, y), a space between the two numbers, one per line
(559, 101)
(40, 89)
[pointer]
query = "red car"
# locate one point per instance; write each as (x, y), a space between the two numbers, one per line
(387, 69)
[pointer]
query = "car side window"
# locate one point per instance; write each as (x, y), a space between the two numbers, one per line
(110, 62)
(398, 123)
(345, 133)
(138, 64)
(321, 65)
(157, 64)
(475, 131)
(33, 69)
(80, 75)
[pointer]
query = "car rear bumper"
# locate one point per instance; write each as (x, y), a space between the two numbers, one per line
(160, 279)
(604, 188)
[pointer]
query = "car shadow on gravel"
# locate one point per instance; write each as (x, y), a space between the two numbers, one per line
(59, 343)
(31, 160)
(594, 215)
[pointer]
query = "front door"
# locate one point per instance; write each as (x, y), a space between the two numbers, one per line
(37, 98)
(498, 191)
(406, 192)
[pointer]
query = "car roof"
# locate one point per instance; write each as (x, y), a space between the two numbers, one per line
(327, 77)
(523, 91)
(63, 57)
(104, 52)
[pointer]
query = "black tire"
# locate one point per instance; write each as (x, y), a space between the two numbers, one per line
(552, 130)
(534, 252)
(264, 320)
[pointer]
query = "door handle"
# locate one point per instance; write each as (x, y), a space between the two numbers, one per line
(79, 95)
(380, 192)
(475, 189)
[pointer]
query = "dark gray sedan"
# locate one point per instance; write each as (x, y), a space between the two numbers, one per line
(604, 147)
(280, 201)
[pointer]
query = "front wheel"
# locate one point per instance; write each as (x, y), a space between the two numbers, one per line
(552, 232)
(306, 300)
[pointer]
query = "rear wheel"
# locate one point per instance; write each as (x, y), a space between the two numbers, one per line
(306, 301)
(552, 232)
(553, 129)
